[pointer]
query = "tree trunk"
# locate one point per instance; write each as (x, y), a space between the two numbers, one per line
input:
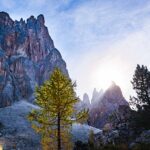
(58, 133)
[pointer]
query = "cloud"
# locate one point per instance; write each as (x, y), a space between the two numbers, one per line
(94, 22)
(38, 2)
(94, 32)
(127, 53)
(7, 4)
(103, 32)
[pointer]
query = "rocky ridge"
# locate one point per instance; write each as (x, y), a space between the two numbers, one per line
(27, 57)
(104, 104)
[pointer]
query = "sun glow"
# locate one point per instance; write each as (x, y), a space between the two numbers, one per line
(106, 73)
(1, 147)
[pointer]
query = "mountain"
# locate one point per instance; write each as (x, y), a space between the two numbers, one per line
(102, 109)
(27, 57)
(86, 101)
(96, 95)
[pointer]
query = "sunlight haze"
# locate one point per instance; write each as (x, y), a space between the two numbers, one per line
(101, 41)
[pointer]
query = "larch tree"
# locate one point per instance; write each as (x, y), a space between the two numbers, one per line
(56, 99)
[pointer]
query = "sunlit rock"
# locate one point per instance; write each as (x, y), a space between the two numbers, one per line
(27, 57)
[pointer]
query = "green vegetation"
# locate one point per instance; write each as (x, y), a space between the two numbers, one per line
(57, 99)
(141, 85)
(86, 146)
(136, 120)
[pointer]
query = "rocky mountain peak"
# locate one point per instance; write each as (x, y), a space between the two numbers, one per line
(96, 95)
(111, 100)
(4, 15)
(31, 21)
(86, 99)
(114, 95)
(5, 19)
(41, 19)
(27, 57)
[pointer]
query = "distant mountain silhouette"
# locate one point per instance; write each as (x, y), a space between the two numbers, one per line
(103, 104)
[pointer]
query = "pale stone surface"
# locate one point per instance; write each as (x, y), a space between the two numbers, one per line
(27, 57)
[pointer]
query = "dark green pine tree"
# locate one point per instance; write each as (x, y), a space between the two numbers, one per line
(141, 85)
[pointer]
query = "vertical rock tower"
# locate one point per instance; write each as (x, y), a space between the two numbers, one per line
(27, 57)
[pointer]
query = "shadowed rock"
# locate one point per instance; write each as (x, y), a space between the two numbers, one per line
(27, 57)
(102, 109)
(16, 131)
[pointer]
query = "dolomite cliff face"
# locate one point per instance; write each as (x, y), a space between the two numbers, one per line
(111, 101)
(27, 57)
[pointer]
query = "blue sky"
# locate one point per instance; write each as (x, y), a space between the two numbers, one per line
(101, 40)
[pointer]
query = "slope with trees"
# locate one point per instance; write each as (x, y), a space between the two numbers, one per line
(141, 85)
(56, 98)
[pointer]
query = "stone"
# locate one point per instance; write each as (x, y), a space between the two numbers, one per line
(27, 57)
(86, 101)
(102, 109)
(17, 132)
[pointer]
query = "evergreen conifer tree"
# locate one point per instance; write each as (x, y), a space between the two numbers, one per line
(56, 99)
(141, 85)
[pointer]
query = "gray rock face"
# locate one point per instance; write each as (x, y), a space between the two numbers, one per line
(81, 132)
(110, 101)
(107, 138)
(96, 95)
(16, 131)
(86, 100)
(142, 139)
(27, 57)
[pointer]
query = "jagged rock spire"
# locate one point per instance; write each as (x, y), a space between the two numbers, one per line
(28, 57)
(86, 99)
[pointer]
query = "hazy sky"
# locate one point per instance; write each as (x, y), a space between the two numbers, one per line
(100, 40)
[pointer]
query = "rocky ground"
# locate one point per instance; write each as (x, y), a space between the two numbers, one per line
(16, 131)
